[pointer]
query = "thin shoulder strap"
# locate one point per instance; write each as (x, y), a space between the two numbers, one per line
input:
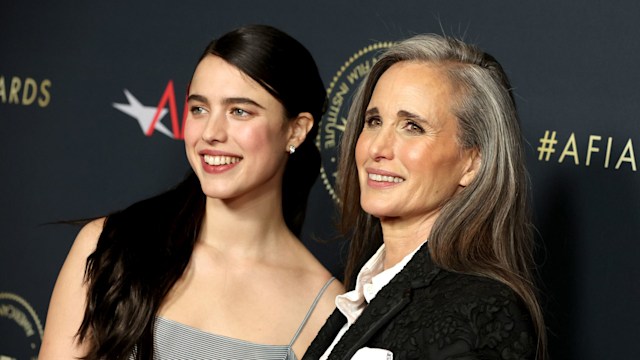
(313, 306)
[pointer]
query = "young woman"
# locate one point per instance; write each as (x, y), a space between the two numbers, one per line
(213, 268)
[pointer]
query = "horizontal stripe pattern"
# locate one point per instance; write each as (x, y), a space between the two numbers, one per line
(175, 341)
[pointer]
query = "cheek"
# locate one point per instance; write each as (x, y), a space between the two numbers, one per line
(438, 169)
(258, 137)
(361, 149)
(192, 131)
(417, 159)
(361, 156)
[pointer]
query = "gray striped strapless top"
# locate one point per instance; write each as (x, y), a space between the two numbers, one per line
(174, 341)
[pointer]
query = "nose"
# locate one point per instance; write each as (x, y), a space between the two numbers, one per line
(381, 145)
(216, 129)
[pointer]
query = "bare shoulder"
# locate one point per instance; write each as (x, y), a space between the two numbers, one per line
(317, 276)
(311, 276)
(67, 304)
(324, 307)
(87, 238)
(327, 302)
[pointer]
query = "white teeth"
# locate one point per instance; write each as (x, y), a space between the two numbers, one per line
(384, 178)
(220, 160)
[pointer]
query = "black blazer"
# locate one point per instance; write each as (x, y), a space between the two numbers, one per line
(426, 312)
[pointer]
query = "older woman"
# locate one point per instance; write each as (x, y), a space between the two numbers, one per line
(436, 207)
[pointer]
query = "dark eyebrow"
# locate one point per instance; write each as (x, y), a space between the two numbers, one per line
(241, 100)
(227, 101)
(372, 111)
(401, 114)
(199, 98)
(411, 116)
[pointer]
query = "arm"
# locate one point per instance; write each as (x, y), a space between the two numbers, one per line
(483, 320)
(459, 317)
(67, 305)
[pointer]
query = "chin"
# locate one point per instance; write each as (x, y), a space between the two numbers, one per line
(215, 192)
(377, 211)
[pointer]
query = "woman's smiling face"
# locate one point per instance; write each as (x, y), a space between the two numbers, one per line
(235, 134)
(408, 156)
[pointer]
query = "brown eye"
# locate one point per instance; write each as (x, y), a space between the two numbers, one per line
(372, 121)
(413, 127)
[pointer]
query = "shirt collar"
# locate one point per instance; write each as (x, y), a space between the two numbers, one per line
(371, 279)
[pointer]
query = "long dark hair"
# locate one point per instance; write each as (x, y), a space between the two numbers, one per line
(485, 229)
(144, 249)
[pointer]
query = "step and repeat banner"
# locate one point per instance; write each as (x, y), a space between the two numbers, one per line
(92, 104)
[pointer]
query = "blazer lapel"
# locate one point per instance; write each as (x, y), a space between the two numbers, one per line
(390, 300)
(325, 336)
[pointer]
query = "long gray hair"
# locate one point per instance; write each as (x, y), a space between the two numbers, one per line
(484, 229)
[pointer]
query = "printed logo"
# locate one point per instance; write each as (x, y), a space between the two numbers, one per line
(150, 117)
(27, 92)
(340, 91)
(20, 328)
(595, 152)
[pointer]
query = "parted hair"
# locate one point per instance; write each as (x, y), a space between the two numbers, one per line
(144, 249)
(485, 229)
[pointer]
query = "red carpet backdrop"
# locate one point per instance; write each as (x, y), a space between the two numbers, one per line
(92, 105)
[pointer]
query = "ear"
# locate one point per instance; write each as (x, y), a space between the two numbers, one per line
(299, 128)
(472, 166)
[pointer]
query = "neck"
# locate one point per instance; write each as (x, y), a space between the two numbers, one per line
(244, 227)
(402, 236)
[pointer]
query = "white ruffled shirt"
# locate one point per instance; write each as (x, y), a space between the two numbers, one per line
(371, 279)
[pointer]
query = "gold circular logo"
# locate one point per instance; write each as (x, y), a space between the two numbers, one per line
(339, 93)
(20, 328)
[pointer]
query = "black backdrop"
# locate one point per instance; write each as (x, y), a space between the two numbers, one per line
(68, 151)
